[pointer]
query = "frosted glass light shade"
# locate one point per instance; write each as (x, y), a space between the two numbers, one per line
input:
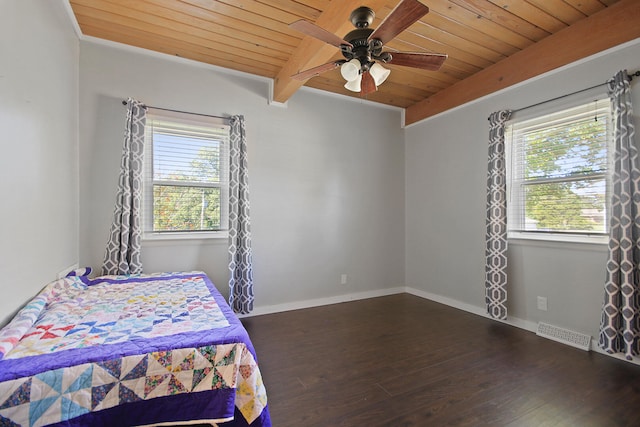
(354, 85)
(350, 70)
(379, 73)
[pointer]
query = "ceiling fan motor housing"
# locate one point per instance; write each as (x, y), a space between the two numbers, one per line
(362, 17)
(360, 50)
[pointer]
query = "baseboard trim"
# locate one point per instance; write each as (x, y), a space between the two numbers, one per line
(318, 302)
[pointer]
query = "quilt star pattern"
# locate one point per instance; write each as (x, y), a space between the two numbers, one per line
(65, 393)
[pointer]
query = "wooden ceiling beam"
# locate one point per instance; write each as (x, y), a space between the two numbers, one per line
(312, 52)
(608, 28)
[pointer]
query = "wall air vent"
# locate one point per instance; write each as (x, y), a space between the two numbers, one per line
(565, 336)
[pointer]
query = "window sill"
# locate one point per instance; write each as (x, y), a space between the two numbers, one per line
(519, 237)
(189, 236)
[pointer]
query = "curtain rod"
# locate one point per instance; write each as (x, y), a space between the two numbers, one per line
(631, 76)
(183, 112)
(558, 97)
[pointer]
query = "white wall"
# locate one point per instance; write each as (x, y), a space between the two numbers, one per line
(326, 176)
(39, 162)
(446, 199)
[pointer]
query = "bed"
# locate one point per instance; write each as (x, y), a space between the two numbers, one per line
(158, 349)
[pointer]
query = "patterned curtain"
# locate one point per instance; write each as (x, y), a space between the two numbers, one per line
(620, 324)
(122, 255)
(240, 267)
(496, 237)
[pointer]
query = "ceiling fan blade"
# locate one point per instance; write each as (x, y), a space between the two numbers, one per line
(425, 61)
(312, 72)
(319, 33)
(368, 85)
(401, 17)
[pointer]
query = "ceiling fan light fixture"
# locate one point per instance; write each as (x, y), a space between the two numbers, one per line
(350, 70)
(379, 73)
(355, 84)
(362, 48)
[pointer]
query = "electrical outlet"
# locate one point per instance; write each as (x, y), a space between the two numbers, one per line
(343, 279)
(542, 303)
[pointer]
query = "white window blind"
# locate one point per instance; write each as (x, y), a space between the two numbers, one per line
(186, 170)
(559, 174)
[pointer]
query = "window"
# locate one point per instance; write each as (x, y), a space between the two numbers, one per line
(186, 176)
(559, 175)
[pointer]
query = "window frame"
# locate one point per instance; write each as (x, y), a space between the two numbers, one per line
(583, 98)
(183, 121)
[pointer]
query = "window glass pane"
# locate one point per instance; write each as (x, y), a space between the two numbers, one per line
(563, 151)
(566, 206)
(178, 208)
(180, 158)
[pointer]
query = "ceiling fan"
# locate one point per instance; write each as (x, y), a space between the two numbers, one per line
(362, 47)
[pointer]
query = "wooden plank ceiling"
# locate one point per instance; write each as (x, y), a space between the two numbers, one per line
(491, 44)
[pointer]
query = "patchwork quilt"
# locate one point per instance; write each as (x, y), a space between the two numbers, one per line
(129, 350)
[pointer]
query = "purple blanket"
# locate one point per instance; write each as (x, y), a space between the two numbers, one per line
(137, 350)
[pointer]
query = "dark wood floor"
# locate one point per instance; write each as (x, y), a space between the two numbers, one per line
(406, 361)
